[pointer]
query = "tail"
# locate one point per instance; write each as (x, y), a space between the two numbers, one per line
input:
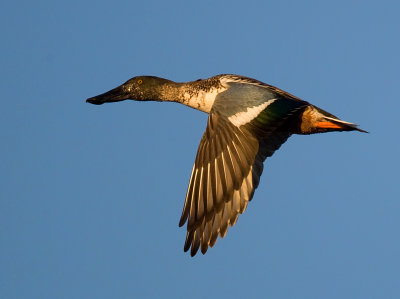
(341, 125)
(316, 120)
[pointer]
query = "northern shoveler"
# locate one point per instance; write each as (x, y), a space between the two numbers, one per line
(248, 121)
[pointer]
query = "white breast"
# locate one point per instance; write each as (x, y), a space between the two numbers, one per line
(202, 100)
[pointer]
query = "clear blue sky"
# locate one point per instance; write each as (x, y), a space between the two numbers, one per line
(91, 196)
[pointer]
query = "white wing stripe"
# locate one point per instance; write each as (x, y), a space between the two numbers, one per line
(244, 117)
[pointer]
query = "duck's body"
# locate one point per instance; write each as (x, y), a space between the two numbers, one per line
(248, 121)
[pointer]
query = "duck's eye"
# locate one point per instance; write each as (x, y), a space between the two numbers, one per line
(140, 81)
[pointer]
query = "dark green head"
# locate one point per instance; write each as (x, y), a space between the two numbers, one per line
(141, 88)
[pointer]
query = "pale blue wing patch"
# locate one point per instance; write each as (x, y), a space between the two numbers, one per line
(239, 97)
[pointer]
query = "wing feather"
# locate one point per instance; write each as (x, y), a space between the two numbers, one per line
(226, 172)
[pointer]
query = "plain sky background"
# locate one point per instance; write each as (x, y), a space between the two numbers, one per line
(90, 196)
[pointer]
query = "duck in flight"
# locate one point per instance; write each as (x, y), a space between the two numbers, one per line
(248, 121)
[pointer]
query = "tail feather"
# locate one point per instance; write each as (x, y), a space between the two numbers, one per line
(347, 126)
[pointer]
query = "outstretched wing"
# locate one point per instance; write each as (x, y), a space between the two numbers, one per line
(226, 172)
(230, 158)
(221, 183)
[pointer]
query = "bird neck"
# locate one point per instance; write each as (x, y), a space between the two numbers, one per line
(199, 94)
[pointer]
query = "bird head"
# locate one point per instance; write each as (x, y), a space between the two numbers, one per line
(140, 88)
